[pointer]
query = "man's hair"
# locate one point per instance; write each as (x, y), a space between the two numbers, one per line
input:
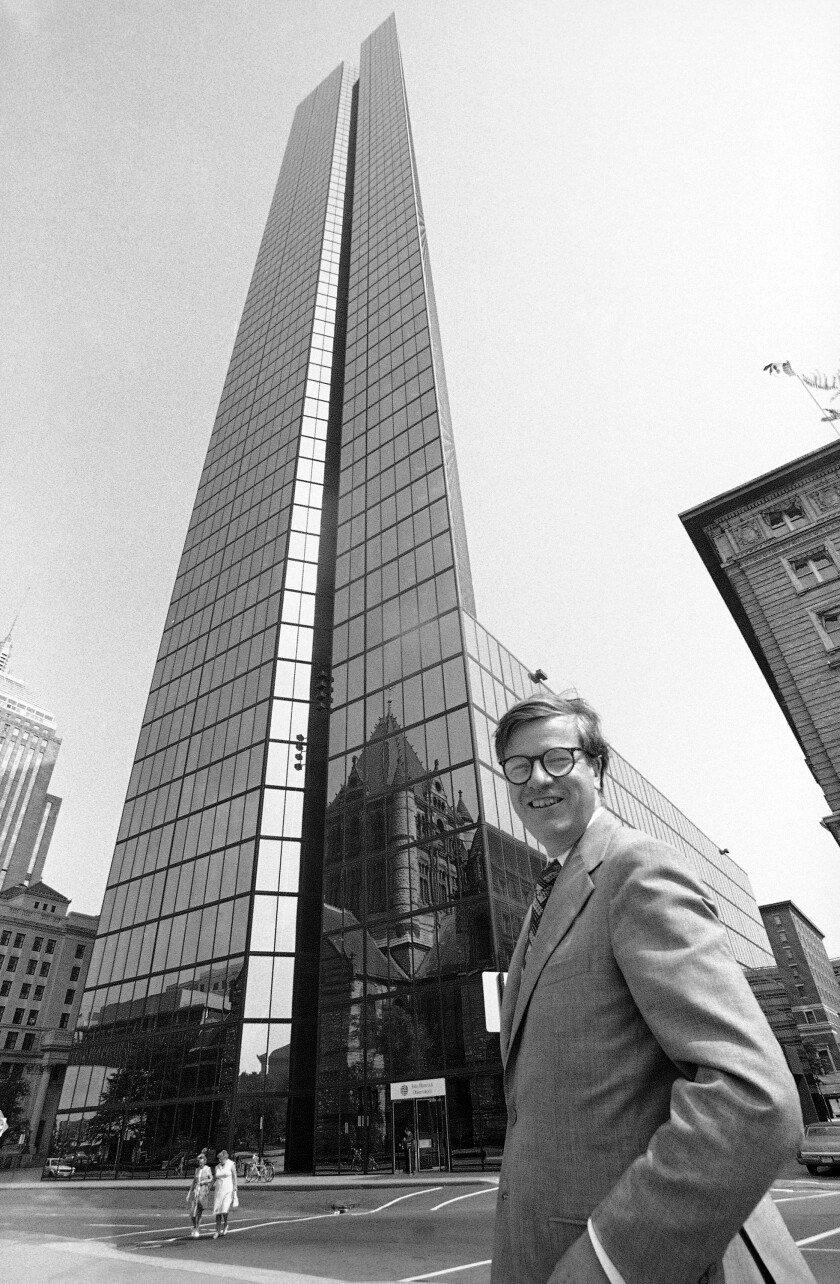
(550, 706)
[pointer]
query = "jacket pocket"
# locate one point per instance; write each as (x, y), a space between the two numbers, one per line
(563, 969)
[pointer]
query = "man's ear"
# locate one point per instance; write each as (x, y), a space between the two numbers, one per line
(599, 763)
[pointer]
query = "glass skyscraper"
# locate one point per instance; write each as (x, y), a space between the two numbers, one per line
(317, 861)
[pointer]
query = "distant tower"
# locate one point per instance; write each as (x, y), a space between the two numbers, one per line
(29, 746)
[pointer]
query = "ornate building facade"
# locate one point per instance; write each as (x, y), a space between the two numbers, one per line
(772, 547)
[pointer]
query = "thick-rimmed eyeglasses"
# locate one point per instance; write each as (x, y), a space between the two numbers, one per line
(555, 762)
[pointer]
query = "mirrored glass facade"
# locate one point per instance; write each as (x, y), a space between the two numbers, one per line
(317, 860)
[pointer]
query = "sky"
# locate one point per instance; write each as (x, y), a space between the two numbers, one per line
(631, 209)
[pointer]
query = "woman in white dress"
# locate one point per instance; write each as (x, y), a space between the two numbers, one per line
(224, 1185)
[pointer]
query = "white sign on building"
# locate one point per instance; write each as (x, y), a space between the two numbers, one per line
(413, 1088)
(493, 984)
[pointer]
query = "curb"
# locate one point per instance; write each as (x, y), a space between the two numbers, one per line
(282, 1183)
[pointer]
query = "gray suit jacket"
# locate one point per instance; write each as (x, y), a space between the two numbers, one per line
(643, 1084)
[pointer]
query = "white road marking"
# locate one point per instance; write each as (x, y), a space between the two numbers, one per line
(450, 1270)
(814, 1194)
(234, 1230)
(488, 1190)
(812, 1239)
(147, 1230)
(93, 1239)
(428, 1190)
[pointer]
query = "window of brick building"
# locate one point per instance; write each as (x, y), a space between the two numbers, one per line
(17, 1019)
(51, 945)
(829, 622)
(80, 951)
(5, 989)
(11, 966)
(818, 567)
(825, 1060)
(69, 996)
(64, 1021)
(20, 937)
(39, 993)
(75, 973)
(11, 1040)
(785, 516)
(5, 937)
(28, 1043)
(45, 969)
(37, 943)
(24, 991)
(31, 967)
(32, 1018)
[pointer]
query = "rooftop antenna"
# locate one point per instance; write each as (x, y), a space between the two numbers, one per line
(6, 644)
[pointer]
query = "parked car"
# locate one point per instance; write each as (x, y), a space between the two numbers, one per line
(81, 1159)
(820, 1147)
(56, 1168)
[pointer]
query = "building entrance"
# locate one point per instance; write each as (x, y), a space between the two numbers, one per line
(420, 1126)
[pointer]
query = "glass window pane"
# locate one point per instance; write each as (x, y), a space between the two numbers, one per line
(258, 992)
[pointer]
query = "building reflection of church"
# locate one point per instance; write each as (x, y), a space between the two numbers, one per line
(397, 845)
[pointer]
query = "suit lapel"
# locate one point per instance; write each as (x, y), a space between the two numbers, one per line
(514, 980)
(570, 893)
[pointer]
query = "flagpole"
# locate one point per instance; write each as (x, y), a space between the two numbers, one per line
(786, 368)
(827, 418)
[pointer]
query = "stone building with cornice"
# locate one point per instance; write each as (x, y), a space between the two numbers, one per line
(772, 547)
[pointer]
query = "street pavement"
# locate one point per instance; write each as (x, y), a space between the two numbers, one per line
(311, 1230)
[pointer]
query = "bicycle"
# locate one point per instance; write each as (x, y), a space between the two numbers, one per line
(262, 1170)
(357, 1164)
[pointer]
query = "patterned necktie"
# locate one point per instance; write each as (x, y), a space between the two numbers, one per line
(542, 891)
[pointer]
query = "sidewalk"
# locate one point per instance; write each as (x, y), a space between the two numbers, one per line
(30, 1179)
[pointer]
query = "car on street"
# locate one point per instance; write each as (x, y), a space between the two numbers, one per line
(820, 1147)
(56, 1168)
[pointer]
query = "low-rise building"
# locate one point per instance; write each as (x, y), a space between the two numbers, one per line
(45, 951)
(801, 999)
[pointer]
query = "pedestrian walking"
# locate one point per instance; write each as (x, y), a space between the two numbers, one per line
(198, 1196)
(225, 1192)
(408, 1150)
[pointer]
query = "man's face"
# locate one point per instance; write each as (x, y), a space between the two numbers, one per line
(555, 811)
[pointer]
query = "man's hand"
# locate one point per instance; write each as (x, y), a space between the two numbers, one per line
(579, 1265)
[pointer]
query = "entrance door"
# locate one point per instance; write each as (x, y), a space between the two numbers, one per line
(432, 1149)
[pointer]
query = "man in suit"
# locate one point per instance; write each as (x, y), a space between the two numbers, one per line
(649, 1105)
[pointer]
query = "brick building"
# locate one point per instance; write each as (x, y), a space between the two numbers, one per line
(772, 547)
(803, 1003)
(45, 952)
